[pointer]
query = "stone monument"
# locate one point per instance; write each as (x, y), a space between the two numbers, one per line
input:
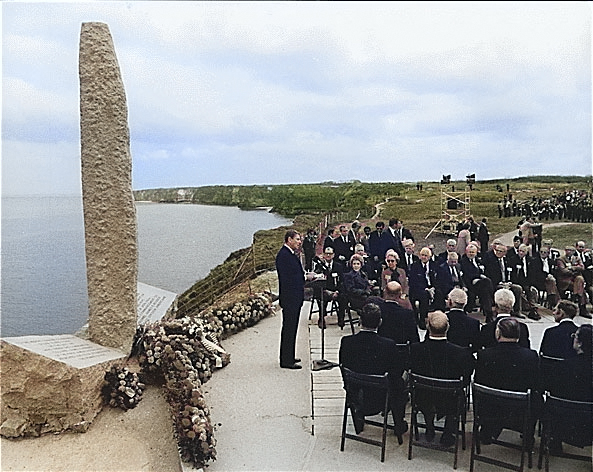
(109, 211)
(53, 383)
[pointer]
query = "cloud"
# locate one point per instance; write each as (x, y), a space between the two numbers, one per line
(275, 92)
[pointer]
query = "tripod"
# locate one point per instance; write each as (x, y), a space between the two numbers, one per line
(322, 364)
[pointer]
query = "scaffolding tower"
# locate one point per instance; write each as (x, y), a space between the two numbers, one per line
(455, 207)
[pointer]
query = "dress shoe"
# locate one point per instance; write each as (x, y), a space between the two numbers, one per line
(341, 322)
(321, 323)
(534, 315)
(447, 440)
(291, 366)
(429, 434)
(297, 359)
(400, 427)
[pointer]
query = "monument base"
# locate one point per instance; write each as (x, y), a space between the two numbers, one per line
(51, 383)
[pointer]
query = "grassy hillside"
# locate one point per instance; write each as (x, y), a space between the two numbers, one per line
(310, 204)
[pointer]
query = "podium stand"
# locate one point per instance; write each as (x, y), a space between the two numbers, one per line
(321, 364)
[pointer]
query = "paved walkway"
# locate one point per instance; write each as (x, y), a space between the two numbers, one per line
(272, 419)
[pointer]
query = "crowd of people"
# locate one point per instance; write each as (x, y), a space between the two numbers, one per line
(397, 288)
(573, 205)
(360, 264)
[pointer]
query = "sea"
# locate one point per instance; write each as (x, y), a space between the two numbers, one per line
(43, 270)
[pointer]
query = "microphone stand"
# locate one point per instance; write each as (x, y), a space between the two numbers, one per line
(322, 364)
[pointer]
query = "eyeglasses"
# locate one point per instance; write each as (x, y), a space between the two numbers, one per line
(574, 336)
(390, 260)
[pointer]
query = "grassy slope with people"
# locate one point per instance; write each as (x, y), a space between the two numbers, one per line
(420, 211)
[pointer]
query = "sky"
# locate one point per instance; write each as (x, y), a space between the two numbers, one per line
(240, 93)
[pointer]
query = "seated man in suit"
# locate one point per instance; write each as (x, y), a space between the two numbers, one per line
(476, 282)
(498, 269)
(421, 280)
(463, 330)
(398, 322)
(503, 301)
(437, 357)
(448, 277)
(558, 340)
(573, 381)
(451, 246)
(509, 366)
(368, 353)
(333, 286)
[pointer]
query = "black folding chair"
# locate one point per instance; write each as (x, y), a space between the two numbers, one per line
(357, 388)
(452, 389)
(506, 408)
(566, 421)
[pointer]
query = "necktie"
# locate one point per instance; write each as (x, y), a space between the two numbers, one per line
(545, 266)
(409, 260)
(454, 274)
(502, 271)
(426, 274)
(525, 267)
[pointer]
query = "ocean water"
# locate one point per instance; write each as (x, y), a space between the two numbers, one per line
(43, 273)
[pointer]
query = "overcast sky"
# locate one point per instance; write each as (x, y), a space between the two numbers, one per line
(283, 92)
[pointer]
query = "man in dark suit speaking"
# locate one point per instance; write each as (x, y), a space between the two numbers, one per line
(291, 281)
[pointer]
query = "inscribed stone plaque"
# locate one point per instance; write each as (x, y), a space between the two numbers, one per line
(67, 348)
(153, 303)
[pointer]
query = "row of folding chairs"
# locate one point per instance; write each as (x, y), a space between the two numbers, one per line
(489, 405)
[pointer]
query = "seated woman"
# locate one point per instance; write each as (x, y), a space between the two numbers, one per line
(392, 272)
(357, 285)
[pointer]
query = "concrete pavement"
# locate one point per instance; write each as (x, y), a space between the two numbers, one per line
(273, 419)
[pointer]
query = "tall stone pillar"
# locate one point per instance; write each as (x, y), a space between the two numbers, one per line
(109, 211)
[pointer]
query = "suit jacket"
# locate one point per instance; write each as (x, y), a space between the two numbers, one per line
(508, 366)
(441, 359)
(403, 262)
(470, 271)
(394, 242)
(334, 277)
(378, 244)
(557, 340)
(368, 353)
(463, 330)
(493, 271)
(291, 278)
(344, 248)
(398, 323)
(444, 279)
(539, 275)
(488, 339)
(417, 281)
(573, 379)
(518, 274)
(444, 360)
